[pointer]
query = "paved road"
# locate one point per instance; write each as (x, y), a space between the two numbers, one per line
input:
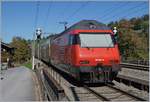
(17, 85)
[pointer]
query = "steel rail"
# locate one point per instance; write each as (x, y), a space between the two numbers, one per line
(124, 92)
(134, 66)
(96, 94)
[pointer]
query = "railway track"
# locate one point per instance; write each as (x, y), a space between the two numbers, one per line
(100, 93)
(134, 66)
(103, 93)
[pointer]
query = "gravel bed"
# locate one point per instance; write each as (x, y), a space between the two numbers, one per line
(132, 90)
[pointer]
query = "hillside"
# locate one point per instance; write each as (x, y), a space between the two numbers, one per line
(133, 37)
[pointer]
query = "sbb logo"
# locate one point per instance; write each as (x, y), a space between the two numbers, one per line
(99, 59)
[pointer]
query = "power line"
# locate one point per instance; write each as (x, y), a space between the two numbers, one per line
(77, 10)
(122, 11)
(62, 14)
(137, 10)
(47, 14)
(36, 15)
(74, 13)
(110, 10)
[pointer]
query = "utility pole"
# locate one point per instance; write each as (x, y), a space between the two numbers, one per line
(64, 23)
(38, 34)
(33, 51)
(1, 77)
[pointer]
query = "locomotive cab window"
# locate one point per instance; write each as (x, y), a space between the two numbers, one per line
(96, 40)
(74, 39)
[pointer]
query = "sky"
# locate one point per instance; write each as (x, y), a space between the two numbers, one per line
(22, 18)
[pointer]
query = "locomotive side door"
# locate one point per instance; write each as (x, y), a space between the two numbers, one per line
(67, 55)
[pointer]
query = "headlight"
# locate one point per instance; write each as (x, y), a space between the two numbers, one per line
(84, 62)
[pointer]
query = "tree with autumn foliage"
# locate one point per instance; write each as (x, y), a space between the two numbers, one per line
(133, 37)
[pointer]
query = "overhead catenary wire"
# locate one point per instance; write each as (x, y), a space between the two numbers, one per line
(108, 11)
(77, 10)
(64, 11)
(130, 9)
(36, 14)
(135, 11)
(47, 14)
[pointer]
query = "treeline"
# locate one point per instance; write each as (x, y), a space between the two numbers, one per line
(133, 37)
(22, 51)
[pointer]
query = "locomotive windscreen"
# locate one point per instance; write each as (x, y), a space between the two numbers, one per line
(96, 40)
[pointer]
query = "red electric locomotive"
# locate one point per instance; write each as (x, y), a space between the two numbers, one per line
(87, 51)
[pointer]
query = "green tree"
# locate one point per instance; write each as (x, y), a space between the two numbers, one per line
(22, 49)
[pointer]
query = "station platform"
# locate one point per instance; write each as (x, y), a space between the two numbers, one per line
(17, 84)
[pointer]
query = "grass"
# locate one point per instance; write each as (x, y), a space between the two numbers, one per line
(28, 64)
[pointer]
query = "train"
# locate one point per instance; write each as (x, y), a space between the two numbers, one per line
(86, 51)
